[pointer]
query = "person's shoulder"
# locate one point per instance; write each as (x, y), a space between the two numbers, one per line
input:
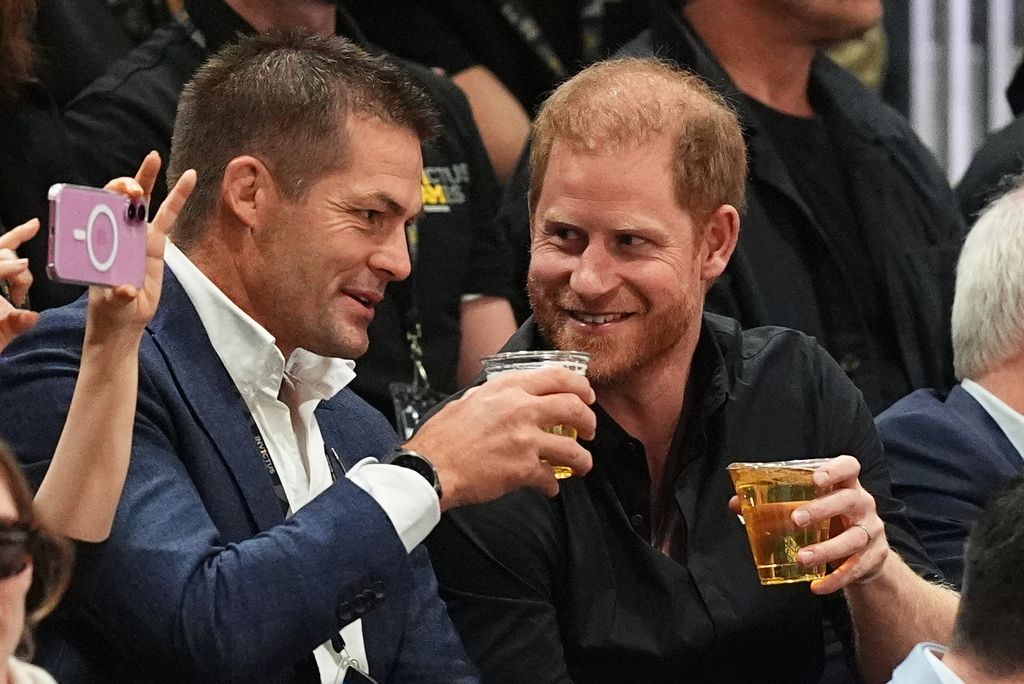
(924, 405)
(934, 425)
(168, 55)
(760, 343)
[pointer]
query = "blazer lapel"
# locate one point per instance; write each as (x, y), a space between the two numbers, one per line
(213, 399)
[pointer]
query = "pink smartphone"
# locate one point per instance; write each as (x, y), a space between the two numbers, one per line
(96, 237)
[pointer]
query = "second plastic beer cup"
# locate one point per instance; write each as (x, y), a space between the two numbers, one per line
(768, 494)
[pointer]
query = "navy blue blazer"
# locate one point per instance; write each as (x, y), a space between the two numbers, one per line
(202, 578)
(946, 457)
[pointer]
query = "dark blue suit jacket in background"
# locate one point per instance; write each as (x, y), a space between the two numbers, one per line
(946, 457)
(202, 579)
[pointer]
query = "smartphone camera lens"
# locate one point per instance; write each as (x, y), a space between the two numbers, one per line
(131, 212)
(141, 212)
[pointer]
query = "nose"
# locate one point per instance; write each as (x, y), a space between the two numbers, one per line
(391, 257)
(594, 274)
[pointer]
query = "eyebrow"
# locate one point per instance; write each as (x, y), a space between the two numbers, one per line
(393, 205)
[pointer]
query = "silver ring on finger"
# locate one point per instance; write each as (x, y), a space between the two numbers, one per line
(871, 537)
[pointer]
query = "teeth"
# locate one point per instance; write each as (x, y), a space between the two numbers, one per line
(606, 318)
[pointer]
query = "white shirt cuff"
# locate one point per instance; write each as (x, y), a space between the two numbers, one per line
(406, 497)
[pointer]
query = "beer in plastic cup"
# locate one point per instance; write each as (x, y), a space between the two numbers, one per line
(768, 494)
(510, 362)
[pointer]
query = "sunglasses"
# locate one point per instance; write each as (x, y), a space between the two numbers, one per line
(16, 542)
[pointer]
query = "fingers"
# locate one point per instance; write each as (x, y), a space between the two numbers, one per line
(547, 381)
(14, 322)
(734, 504)
(175, 202)
(148, 171)
(19, 279)
(125, 186)
(18, 236)
(563, 451)
(11, 267)
(841, 471)
(860, 568)
(853, 503)
(849, 542)
(564, 409)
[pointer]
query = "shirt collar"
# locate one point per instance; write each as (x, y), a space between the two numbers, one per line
(1008, 420)
(247, 350)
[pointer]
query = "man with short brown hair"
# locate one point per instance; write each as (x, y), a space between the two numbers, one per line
(640, 571)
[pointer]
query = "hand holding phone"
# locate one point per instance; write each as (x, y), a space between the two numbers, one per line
(97, 237)
(124, 310)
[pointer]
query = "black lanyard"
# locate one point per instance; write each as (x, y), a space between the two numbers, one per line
(353, 673)
(333, 460)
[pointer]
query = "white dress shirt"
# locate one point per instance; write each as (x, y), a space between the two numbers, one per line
(1008, 420)
(282, 396)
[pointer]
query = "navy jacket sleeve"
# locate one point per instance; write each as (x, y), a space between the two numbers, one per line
(191, 599)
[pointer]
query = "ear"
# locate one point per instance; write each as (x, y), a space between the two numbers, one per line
(248, 190)
(718, 240)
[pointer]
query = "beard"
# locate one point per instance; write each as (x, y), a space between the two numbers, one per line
(647, 339)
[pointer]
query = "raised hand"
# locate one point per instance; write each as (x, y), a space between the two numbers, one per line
(124, 307)
(14, 274)
(492, 439)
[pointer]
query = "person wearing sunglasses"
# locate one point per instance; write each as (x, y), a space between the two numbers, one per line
(35, 566)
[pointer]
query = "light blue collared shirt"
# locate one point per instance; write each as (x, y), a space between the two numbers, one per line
(923, 666)
(1008, 420)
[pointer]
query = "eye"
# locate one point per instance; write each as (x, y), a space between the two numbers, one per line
(368, 214)
(631, 240)
(562, 233)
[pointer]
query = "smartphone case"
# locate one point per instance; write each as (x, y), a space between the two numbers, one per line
(96, 237)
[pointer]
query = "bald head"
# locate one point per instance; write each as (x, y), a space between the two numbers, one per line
(623, 103)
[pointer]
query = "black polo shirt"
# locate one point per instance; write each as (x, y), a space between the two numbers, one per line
(572, 588)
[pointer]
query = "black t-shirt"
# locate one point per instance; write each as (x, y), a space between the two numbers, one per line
(572, 588)
(120, 117)
(836, 253)
(456, 34)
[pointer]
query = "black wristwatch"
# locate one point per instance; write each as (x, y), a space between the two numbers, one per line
(405, 458)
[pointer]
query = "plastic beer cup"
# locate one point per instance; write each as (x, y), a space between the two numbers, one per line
(768, 494)
(511, 362)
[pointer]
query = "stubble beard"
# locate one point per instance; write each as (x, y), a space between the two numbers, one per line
(614, 359)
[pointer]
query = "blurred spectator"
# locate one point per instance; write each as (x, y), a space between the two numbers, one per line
(34, 152)
(459, 287)
(1000, 159)
(530, 45)
(34, 570)
(851, 231)
(503, 53)
(987, 633)
(80, 39)
(948, 452)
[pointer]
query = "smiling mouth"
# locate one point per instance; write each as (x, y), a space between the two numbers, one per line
(597, 319)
